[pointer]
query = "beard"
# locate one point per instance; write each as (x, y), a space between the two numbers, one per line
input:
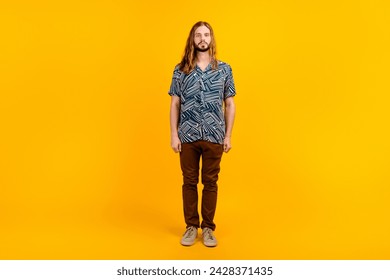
(199, 49)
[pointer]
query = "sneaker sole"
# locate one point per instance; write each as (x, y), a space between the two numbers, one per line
(210, 245)
(187, 243)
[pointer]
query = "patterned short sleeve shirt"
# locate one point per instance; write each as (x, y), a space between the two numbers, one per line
(202, 95)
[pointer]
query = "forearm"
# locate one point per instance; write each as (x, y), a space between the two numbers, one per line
(174, 118)
(230, 112)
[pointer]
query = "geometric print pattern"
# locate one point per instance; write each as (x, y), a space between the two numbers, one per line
(202, 95)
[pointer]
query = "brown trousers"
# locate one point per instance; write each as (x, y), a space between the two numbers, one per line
(211, 154)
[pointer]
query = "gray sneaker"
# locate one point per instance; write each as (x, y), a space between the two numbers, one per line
(189, 236)
(209, 239)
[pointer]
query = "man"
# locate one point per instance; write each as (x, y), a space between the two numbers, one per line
(201, 117)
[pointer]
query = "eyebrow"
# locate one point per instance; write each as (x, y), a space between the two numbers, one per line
(207, 33)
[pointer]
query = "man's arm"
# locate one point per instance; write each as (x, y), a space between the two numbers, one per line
(174, 119)
(230, 112)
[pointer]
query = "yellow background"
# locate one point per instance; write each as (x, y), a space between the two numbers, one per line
(86, 166)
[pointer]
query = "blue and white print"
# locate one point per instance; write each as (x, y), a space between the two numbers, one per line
(202, 95)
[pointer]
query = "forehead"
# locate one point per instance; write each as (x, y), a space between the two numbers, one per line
(202, 29)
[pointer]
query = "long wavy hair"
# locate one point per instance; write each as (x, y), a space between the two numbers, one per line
(188, 61)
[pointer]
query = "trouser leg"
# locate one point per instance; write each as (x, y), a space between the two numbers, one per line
(189, 161)
(211, 158)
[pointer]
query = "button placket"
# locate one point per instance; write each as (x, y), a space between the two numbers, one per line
(202, 106)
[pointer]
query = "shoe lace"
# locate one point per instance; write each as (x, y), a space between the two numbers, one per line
(209, 234)
(189, 232)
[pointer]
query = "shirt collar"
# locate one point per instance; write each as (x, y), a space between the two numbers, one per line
(205, 70)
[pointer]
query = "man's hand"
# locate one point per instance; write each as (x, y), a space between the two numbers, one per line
(226, 144)
(175, 144)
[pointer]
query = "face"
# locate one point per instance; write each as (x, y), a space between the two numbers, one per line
(202, 38)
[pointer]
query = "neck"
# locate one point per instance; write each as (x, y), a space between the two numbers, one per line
(203, 57)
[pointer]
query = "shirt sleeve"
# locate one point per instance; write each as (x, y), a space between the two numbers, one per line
(175, 84)
(230, 89)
